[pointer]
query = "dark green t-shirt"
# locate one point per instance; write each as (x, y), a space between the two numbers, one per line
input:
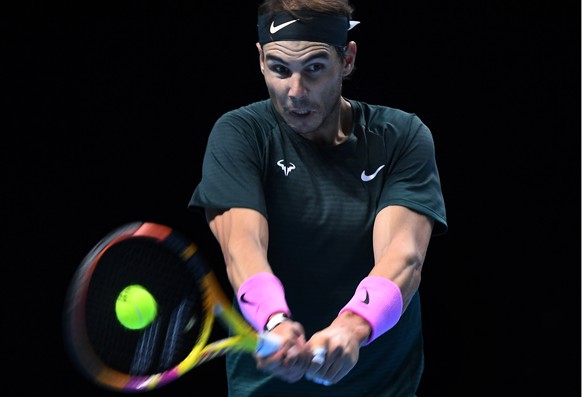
(320, 203)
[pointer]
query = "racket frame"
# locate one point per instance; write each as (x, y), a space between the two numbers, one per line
(216, 306)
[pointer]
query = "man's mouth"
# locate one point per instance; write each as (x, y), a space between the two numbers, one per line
(300, 113)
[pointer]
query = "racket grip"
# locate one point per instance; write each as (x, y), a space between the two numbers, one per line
(267, 344)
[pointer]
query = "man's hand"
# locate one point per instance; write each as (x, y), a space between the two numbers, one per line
(291, 361)
(341, 343)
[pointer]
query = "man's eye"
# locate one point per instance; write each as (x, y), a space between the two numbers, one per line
(281, 70)
(316, 67)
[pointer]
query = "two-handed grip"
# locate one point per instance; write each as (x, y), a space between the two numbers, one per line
(270, 343)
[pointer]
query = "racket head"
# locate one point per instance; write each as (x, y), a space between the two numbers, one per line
(170, 267)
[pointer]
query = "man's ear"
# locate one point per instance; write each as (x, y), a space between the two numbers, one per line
(261, 58)
(350, 57)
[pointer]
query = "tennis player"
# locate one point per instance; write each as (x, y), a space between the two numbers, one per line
(324, 207)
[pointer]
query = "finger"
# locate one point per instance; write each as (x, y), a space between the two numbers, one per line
(319, 356)
(318, 359)
(321, 381)
(317, 380)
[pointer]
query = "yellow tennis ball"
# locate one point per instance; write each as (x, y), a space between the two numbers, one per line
(135, 307)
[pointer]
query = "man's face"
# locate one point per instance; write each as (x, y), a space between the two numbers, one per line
(304, 80)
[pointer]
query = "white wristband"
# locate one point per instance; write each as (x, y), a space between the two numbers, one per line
(275, 320)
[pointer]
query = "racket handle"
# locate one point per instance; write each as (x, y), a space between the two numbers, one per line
(268, 344)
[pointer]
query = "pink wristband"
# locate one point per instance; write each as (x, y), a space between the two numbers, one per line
(379, 301)
(259, 297)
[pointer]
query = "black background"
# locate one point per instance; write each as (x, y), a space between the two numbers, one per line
(105, 119)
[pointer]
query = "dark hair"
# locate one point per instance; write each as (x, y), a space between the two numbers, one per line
(340, 7)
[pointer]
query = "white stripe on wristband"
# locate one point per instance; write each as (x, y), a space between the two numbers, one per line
(379, 301)
(260, 296)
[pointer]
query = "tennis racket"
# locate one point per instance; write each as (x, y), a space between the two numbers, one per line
(189, 299)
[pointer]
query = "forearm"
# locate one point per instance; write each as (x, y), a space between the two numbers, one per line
(401, 239)
(243, 238)
(405, 272)
(242, 234)
(244, 258)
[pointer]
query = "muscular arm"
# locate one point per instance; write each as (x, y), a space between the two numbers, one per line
(243, 235)
(401, 238)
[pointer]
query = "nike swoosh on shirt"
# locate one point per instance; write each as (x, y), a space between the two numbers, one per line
(368, 178)
(274, 29)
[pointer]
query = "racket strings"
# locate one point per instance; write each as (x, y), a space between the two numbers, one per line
(182, 319)
(144, 353)
(169, 339)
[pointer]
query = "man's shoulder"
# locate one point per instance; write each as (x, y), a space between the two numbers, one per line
(258, 110)
(377, 117)
(372, 110)
(255, 122)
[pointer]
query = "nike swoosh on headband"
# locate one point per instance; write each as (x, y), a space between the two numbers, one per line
(274, 29)
(368, 178)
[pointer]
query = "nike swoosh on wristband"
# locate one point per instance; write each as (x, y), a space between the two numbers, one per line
(368, 178)
(274, 29)
(242, 299)
(367, 299)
